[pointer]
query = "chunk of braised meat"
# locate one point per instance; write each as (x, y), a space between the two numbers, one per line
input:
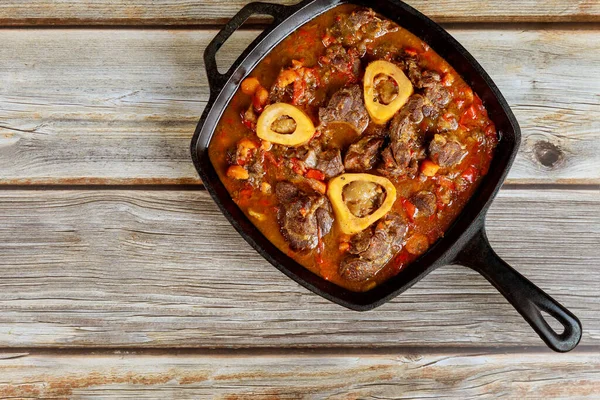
(430, 81)
(256, 171)
(249, 156)
(358, 29)
(363, 154)
(330, 163)
(296, 85)
(303, 218)
(371, 249)
(346, 106)
(343, 61)
(425, 202)
(434, 90)
(417, 74)
(384, 51)
(446, 152)
(447, 123)
(310, 156)
(438, 95)
(405, 150)
(249, 118)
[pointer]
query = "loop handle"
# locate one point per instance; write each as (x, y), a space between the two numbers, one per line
(529, 300)
(217, 80)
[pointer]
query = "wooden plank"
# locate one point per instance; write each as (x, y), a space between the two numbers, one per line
(101, 268)
(119, 107)
(186, 12)
(302, 376)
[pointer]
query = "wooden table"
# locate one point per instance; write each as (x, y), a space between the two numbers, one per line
(120, 278)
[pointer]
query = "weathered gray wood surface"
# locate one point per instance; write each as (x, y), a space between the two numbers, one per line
(186, 12)
(120, 106)
(100, 268)
(302, 376)
(160, 270)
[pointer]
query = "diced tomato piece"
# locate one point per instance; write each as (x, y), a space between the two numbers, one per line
(448, 116)
(299, 89)
(410, 209)
(490, 130)
(296, 167)
(401, 259)
(478, 103)
(467, 94)
(447, 183)
(328, 40)
(249, 124)
(469, 115)
(315, 174)
(470, 174)
(410, 51)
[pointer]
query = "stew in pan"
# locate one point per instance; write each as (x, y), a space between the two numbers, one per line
(353, 146)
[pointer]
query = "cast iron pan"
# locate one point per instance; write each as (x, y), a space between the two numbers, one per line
(464, 243)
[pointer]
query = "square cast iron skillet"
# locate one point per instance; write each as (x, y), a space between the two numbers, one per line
(464, 243)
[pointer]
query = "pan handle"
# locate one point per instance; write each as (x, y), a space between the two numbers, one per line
(216, 79)
(526, 298)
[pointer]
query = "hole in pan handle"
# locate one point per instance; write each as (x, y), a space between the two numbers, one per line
(216, 79)
(529, 300)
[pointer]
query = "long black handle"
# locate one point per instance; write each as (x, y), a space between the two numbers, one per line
(216, 79)
(528, 299)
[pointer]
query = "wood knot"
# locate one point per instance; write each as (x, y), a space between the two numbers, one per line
(548, 154)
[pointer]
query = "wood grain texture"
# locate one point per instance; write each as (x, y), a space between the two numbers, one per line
(101, 268)
(119, 107)
(301, 376)
(186, 12)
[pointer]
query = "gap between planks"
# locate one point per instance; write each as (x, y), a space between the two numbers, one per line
(356, 351)
(182, 12)
(255, 26)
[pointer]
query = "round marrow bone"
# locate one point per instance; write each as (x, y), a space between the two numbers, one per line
(348, 222)
(304, 126)
(382, 113)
